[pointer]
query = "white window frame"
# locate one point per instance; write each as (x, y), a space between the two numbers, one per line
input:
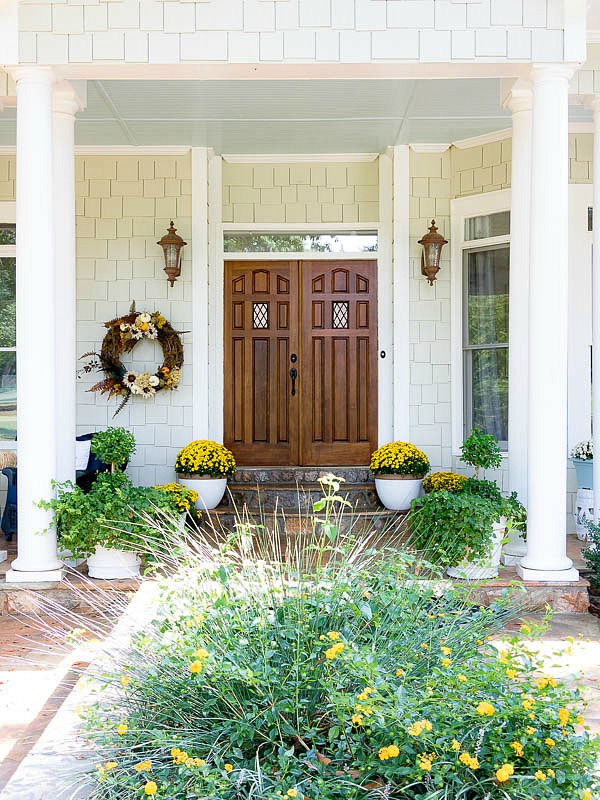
(461, 208)
(8, 215)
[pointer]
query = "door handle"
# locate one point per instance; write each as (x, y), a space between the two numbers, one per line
(293, 376)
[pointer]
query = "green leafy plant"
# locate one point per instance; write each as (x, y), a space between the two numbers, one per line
(330, 674)
(113, 514)
(481, 451)
(114, 446)
(448, 528)
(591, 554)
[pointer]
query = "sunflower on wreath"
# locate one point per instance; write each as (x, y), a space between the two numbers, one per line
(122, 336)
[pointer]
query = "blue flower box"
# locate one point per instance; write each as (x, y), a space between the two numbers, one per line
(585, 472)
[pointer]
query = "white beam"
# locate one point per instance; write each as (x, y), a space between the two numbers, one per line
(596, 309)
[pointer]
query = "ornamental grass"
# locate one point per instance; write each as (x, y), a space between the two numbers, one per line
(320, 667)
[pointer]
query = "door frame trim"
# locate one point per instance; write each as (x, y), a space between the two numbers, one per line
(208, 260)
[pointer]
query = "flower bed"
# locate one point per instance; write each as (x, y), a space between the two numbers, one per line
(321, 679)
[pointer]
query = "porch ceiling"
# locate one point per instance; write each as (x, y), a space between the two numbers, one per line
(316, 116)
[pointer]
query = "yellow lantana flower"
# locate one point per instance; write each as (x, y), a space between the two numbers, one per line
(228, 767)
(122, 728)
(143, 766)
(150, 788)
(486, 709)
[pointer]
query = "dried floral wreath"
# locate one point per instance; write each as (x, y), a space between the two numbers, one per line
(122, 336)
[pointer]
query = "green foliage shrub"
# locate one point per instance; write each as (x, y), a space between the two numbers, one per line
(333, 675)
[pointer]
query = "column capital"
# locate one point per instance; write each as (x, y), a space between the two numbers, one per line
(541, 73)
(32, 74)
(69, 98)
(519, 97)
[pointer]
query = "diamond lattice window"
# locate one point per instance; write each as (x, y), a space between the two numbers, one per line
(340, 314)
(260, 316)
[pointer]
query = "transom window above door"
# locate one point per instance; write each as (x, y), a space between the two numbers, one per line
(311, 242)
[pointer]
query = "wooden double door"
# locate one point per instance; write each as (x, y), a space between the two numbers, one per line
(301, 361)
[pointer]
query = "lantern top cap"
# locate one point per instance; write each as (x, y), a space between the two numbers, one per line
(433, 237)
(171, 237)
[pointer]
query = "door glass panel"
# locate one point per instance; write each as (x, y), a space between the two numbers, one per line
(8, 396)
(260, 316)
(487, 296)
(340, 314)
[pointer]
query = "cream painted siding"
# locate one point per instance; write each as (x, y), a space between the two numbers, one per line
(581, 150)
(430, 428)
(484, 168)
(300, 193)
(487, 167)
(124, 205)
(7, 178)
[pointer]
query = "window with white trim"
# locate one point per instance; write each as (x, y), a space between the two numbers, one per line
(8, 335)
(485, 264)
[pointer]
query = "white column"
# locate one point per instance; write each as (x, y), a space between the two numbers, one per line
(595, 104)
(546, 558)
(65, 107)
(520, 103)
(36, 378)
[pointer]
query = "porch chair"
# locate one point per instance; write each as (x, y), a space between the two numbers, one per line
(84, 479)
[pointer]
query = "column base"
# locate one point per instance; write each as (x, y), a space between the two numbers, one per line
(510, 559)
(43, 576)
(546, 575)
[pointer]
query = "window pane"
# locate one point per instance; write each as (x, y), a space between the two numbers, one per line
(361, 242)
(490, 225)
(8, 396)
(487, 296)
(7, 233)
(7, 303)
(489, 391)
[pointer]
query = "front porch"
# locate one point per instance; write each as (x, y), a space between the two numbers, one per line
(404, 175)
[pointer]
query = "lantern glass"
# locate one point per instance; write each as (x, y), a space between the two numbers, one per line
(172, 255)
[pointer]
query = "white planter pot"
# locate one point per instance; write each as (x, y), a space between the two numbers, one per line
(483, 568)
(66, 556)
(584, 510)
(397, 492)
(210, 490)
(107, 563)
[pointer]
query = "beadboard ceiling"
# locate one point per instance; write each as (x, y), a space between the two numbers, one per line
(316, 116)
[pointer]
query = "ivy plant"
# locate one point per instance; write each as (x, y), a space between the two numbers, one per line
(448, 528)
(481, 451)
(113, 514)
(114, 446)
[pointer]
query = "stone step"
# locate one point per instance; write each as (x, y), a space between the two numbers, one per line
(299, 475)
(361, 496)
(297, 488)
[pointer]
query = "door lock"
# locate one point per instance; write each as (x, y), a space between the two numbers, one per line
(293, 376)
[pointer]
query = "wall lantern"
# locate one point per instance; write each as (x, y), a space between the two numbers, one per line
(172, 245)
(432, 250)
